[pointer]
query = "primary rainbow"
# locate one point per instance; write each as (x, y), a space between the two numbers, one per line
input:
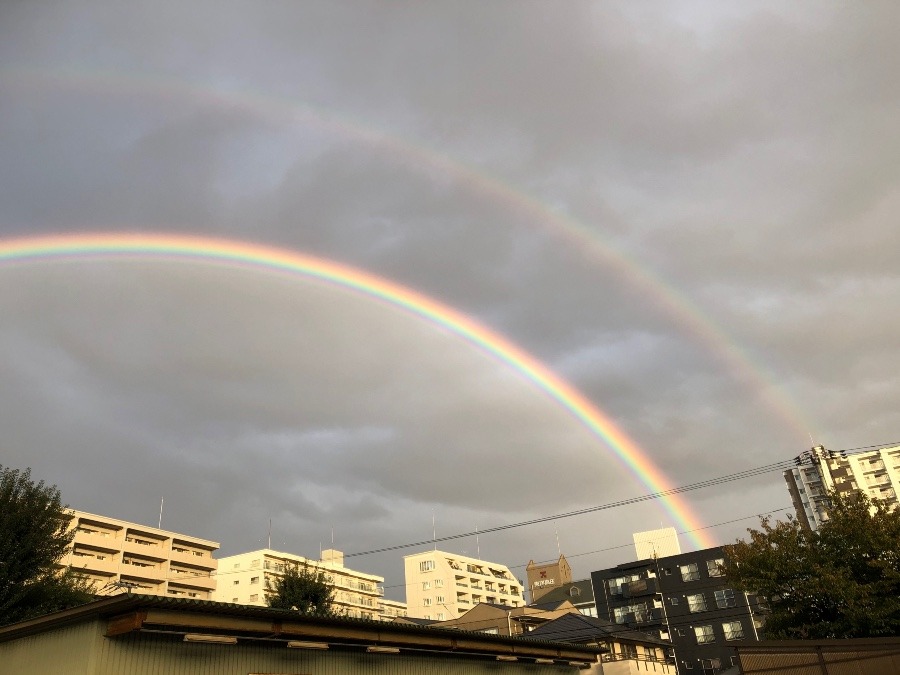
(171, 246)
(686, 314)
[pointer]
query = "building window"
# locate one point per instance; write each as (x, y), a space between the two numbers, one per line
(632, 613)
(254, 580)
(236, 582)
(711, 664)
(725, 598)
(689, 572)
(234, 599)
(673, 600)
(440, 599)
(733, 630)
(440, 616)
(588, 611)
(438, 583)
(687, 665)
(426, 585)
(426, 565)
(254, 597)
(696, 603)
(704, 634)
(615, 585)
(712, 567)
(426, 602)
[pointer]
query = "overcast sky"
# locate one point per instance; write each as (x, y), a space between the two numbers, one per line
(687, 210)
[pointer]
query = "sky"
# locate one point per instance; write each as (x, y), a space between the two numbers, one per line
(687, 212)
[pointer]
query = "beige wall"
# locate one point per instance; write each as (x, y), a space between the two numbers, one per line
(544, 578)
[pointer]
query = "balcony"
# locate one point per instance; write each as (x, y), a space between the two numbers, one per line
(142, 570)
(97, 540)
(145, 549)
(91, 564)
(188, 557)
(192, 578)
(640, 588)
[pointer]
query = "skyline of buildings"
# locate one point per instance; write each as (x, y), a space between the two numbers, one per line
(673, 596)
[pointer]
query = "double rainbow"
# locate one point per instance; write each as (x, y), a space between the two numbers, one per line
(278, 260)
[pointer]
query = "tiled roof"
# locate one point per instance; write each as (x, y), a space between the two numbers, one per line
(580, 629)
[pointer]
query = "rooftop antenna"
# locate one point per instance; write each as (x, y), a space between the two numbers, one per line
(270, 534)
(161, 500)
(558, 549)
(477, 545)
(433, 531)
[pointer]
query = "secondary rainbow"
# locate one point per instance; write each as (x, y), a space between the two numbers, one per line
(168, 246)
(270, 109)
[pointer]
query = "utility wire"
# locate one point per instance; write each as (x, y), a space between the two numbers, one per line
(782, 465)
(748, 473)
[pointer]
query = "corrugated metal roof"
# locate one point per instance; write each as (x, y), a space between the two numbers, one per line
(125, 603)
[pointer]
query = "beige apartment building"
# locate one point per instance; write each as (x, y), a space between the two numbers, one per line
(242, 580)
(388, 609)
(441, 586)
(875, 472)
(118, 555)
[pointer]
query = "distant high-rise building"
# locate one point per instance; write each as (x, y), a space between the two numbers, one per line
(117, 555)
(545, 577)
(656, 543)
(441, 585)
(243, 577)
(875, 472)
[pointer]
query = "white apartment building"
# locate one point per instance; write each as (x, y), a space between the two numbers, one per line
(875, 472)
(117, 555)
(441, 585)
(242, 580)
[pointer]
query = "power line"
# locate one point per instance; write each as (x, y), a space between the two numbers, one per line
(782, 465)
(748, 473)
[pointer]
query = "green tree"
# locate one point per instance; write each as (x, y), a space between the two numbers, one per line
(842, 581)
(34, 537)
(301, 588)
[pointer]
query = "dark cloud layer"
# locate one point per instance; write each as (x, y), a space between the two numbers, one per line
(688, 211)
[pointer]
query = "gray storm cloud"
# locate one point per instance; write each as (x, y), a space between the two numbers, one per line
(743, 157)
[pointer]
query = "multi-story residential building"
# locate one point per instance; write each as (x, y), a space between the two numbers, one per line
(118, 555)
(543, 578)
(875, 472)
(683, 599)
(243, 578)
(388, 609)
(442, 585)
